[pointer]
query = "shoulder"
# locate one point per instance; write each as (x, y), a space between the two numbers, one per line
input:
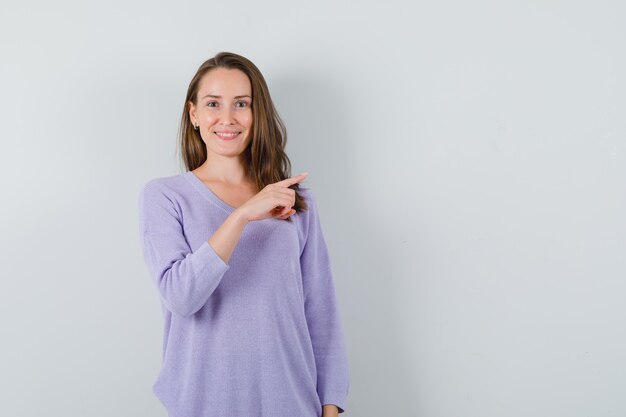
(311, 202)
(310, 216)
(309, 196)
(161, 197)
(160, 187)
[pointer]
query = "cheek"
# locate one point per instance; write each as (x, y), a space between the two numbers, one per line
(210, 118)
(247, 120)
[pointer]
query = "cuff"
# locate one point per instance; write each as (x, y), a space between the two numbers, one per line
(337, 400)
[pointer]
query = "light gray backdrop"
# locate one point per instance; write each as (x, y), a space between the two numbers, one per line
(469, 161)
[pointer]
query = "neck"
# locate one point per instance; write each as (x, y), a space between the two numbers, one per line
(228, 170)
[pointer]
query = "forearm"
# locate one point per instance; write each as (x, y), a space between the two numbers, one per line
(225, 238)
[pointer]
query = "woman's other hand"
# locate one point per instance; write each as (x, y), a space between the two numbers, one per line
(330, 410)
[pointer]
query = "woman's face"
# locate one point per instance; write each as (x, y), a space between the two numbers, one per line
(224, 114)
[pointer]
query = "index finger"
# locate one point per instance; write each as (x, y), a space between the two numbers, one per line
(290, 181)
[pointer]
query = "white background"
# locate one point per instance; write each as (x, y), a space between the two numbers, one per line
(468, 158)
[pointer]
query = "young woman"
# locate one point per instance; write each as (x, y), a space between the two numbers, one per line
(237, 254)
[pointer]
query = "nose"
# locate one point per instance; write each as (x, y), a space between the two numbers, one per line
(226, 117)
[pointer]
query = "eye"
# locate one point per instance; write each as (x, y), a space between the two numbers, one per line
(241, 103)
(212, 104)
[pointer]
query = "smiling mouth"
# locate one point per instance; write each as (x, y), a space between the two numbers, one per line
(227, 135)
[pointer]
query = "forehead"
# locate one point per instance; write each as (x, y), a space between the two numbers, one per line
(225, 82)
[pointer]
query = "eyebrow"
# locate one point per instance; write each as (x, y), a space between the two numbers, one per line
(214, 96)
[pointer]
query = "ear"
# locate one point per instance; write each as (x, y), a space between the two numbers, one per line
(192, 113)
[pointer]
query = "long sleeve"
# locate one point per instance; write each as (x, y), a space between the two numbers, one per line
(322, 314)
(184, 278)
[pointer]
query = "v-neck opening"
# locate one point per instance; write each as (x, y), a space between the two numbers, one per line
(207, 192)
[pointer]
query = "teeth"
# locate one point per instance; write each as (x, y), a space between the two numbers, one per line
(227, 135)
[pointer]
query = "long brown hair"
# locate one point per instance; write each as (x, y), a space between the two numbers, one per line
(265, 160)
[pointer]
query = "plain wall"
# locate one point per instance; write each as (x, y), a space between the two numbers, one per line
(468, 158)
